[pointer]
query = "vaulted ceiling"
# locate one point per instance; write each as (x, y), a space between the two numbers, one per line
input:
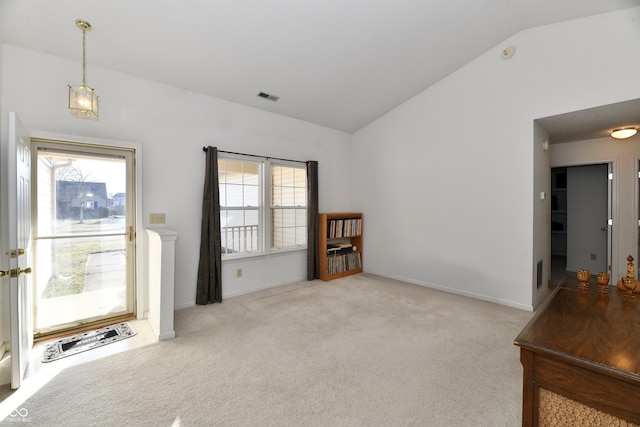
(340, 64)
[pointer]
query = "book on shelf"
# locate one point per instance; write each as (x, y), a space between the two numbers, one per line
(341, 263)
(333, 251)
(339, 249)
(340, 228)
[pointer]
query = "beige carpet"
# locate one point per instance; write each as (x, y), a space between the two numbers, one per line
(358, 351)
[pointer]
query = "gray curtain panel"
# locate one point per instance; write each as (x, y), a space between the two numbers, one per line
(209, 287)
(313, 266)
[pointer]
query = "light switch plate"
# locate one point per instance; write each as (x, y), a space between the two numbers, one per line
(156, 218)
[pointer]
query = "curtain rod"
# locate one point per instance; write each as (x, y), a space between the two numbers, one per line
(255, 155)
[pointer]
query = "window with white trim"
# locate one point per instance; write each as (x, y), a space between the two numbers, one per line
(288, 206)
(248, 185)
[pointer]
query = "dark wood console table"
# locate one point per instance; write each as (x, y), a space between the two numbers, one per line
(581, 359)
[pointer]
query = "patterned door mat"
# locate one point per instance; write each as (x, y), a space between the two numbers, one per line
(86, 341)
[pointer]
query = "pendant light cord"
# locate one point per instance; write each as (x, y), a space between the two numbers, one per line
(84, 54)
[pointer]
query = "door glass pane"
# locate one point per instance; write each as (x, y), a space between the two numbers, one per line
(79, 196)
(86, 279)
(84, 257)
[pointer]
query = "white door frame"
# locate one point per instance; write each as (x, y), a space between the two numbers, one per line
(141, 296)
(612, 232)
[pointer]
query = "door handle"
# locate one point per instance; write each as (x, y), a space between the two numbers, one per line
(16, 272)
(604, 228)
(15, 254)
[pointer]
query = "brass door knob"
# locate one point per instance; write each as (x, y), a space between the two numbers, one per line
(16, 272)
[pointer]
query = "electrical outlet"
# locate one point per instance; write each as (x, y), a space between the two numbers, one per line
(238, 272)
(156, 218)
(594, 257)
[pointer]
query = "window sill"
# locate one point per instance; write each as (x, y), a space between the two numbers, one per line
(245, 257)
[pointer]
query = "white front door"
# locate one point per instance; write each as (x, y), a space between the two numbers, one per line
(19, 230)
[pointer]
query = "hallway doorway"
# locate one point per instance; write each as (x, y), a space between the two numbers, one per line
(580, 219)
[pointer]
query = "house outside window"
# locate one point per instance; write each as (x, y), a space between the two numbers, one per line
(263, 205)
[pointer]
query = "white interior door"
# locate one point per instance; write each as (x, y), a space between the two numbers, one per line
(19, 229)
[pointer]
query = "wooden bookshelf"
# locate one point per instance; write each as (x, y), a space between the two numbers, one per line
(339, 234)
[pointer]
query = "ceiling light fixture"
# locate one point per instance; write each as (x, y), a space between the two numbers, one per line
(83, 101)
(624, 133)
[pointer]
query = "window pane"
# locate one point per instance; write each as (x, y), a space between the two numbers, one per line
(287, 177)
(251, 217)
(300, 197)
(223, 218)
(289, 218)
(301, 235)
(288, 197)
(276, 175)
(223, 195)
(222, 177)
(276, 238)
(78, 268)
(251, 195)
(233, 177)
(251, 173)
(235, 218)
(80, 195)
(288, 237)
(301, 217)
(276, 196)
(233, 195)
(232, 172)
(240, 188)
(301, 177)
(277, 217)
(239, 230)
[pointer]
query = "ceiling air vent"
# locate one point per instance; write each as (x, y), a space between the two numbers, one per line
(269, 97)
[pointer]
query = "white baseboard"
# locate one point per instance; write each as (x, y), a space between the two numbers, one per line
(456, 291)
(166, 335)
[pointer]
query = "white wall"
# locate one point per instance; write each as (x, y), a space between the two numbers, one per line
(172, 125)
(446, 180)
(625, 156)
(541, 210)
